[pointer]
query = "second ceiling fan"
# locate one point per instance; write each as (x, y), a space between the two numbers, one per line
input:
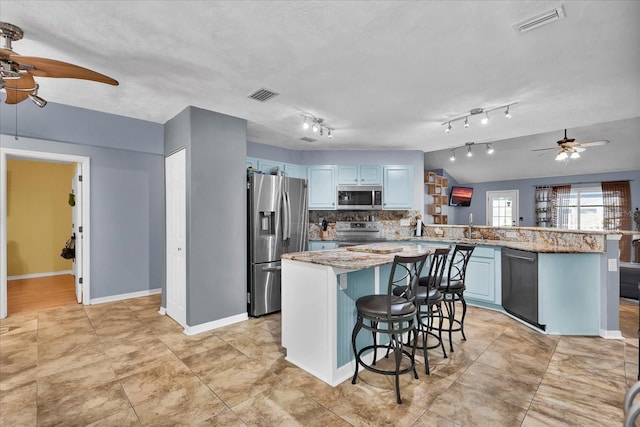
(569, 148)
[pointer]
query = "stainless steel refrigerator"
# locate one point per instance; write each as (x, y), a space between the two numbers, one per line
(278, 222)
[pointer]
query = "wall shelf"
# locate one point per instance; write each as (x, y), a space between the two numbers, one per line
(436, 186)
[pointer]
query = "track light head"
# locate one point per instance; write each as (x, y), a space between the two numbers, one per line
(507, 114)
(490, 149)
(329, 134)
(466, 122)
(469, 153)
(485, 119)
(453, 156)
(448, 129)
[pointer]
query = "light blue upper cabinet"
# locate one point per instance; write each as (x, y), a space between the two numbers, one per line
(322, 187)
(360, 175)
(398, 187)
(266, 166)
(295, 171)
(348, 175)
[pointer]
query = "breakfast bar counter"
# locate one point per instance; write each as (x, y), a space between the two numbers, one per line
(319, 290)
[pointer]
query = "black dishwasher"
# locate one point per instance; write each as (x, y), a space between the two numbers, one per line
(520, 285)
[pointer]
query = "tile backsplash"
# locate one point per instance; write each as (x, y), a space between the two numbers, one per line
(390, 221)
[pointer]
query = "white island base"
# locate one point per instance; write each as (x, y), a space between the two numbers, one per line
(318, 314)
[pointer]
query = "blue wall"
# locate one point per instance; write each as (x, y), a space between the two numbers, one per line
(526, 188)
(127, 186)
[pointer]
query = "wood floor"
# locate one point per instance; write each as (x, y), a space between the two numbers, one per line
(26, 295)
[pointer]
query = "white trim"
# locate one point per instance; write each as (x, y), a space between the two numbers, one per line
(611, 335)
(86, 204)
(129, 295)
(209, 326)
(36, 275)
(614, 236)
(162, 311)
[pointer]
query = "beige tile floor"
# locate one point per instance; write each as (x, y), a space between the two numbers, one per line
(122, 364)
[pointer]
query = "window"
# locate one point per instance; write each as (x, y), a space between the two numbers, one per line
(582, 209)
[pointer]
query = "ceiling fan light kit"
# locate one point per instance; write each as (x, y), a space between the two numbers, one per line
(475, 112)
(17, 72)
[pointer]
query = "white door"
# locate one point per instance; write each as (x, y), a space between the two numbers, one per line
(176, 229)
(502, 208)
(76, 219)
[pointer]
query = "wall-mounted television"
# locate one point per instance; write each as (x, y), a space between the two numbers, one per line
(460, 196)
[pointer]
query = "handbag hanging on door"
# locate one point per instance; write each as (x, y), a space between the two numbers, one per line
(69, 250)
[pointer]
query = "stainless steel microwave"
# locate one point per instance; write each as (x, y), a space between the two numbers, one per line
(359, 197)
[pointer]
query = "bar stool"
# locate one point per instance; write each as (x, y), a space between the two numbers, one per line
(453, 287)
(429, 302)
(393, 315)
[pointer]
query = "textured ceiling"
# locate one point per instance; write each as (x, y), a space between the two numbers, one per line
(384, 74)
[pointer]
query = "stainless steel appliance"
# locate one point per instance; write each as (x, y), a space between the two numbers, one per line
(278, 222)
(350, 233)
(359, 197)
(520, 285)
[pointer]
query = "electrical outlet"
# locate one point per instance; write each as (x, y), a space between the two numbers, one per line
(405, 222)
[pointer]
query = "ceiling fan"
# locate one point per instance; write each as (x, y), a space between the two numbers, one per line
(17, 72)
(569, 148)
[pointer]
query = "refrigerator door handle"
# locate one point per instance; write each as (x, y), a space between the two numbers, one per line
(278, 268)
(285, 217)
(288, 216)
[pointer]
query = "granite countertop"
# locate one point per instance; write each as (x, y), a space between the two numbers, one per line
(360, 257)
(540, 247)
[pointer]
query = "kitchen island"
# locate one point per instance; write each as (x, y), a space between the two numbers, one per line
(578, 292)
(319, 290)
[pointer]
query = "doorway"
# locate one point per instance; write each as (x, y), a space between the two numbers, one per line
(81, 226)
(502, 208)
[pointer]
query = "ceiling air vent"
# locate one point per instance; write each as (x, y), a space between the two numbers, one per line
(539, 20)
(263, 95)
(307, 139)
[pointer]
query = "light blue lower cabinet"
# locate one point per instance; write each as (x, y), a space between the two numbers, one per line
(480, 279)
(321, 245)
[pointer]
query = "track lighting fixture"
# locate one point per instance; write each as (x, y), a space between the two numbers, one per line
(489, 148)
(477, 111)
(317, 125)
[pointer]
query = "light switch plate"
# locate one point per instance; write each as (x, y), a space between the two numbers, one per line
(613, 264)
(405, 222)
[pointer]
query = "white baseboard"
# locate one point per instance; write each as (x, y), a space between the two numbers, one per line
(611, 335)
(130, 295)
(36, 275)
(162, 311)
(209, 326)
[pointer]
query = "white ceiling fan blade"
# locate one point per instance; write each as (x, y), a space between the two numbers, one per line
(594, 143)
(545, 149)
